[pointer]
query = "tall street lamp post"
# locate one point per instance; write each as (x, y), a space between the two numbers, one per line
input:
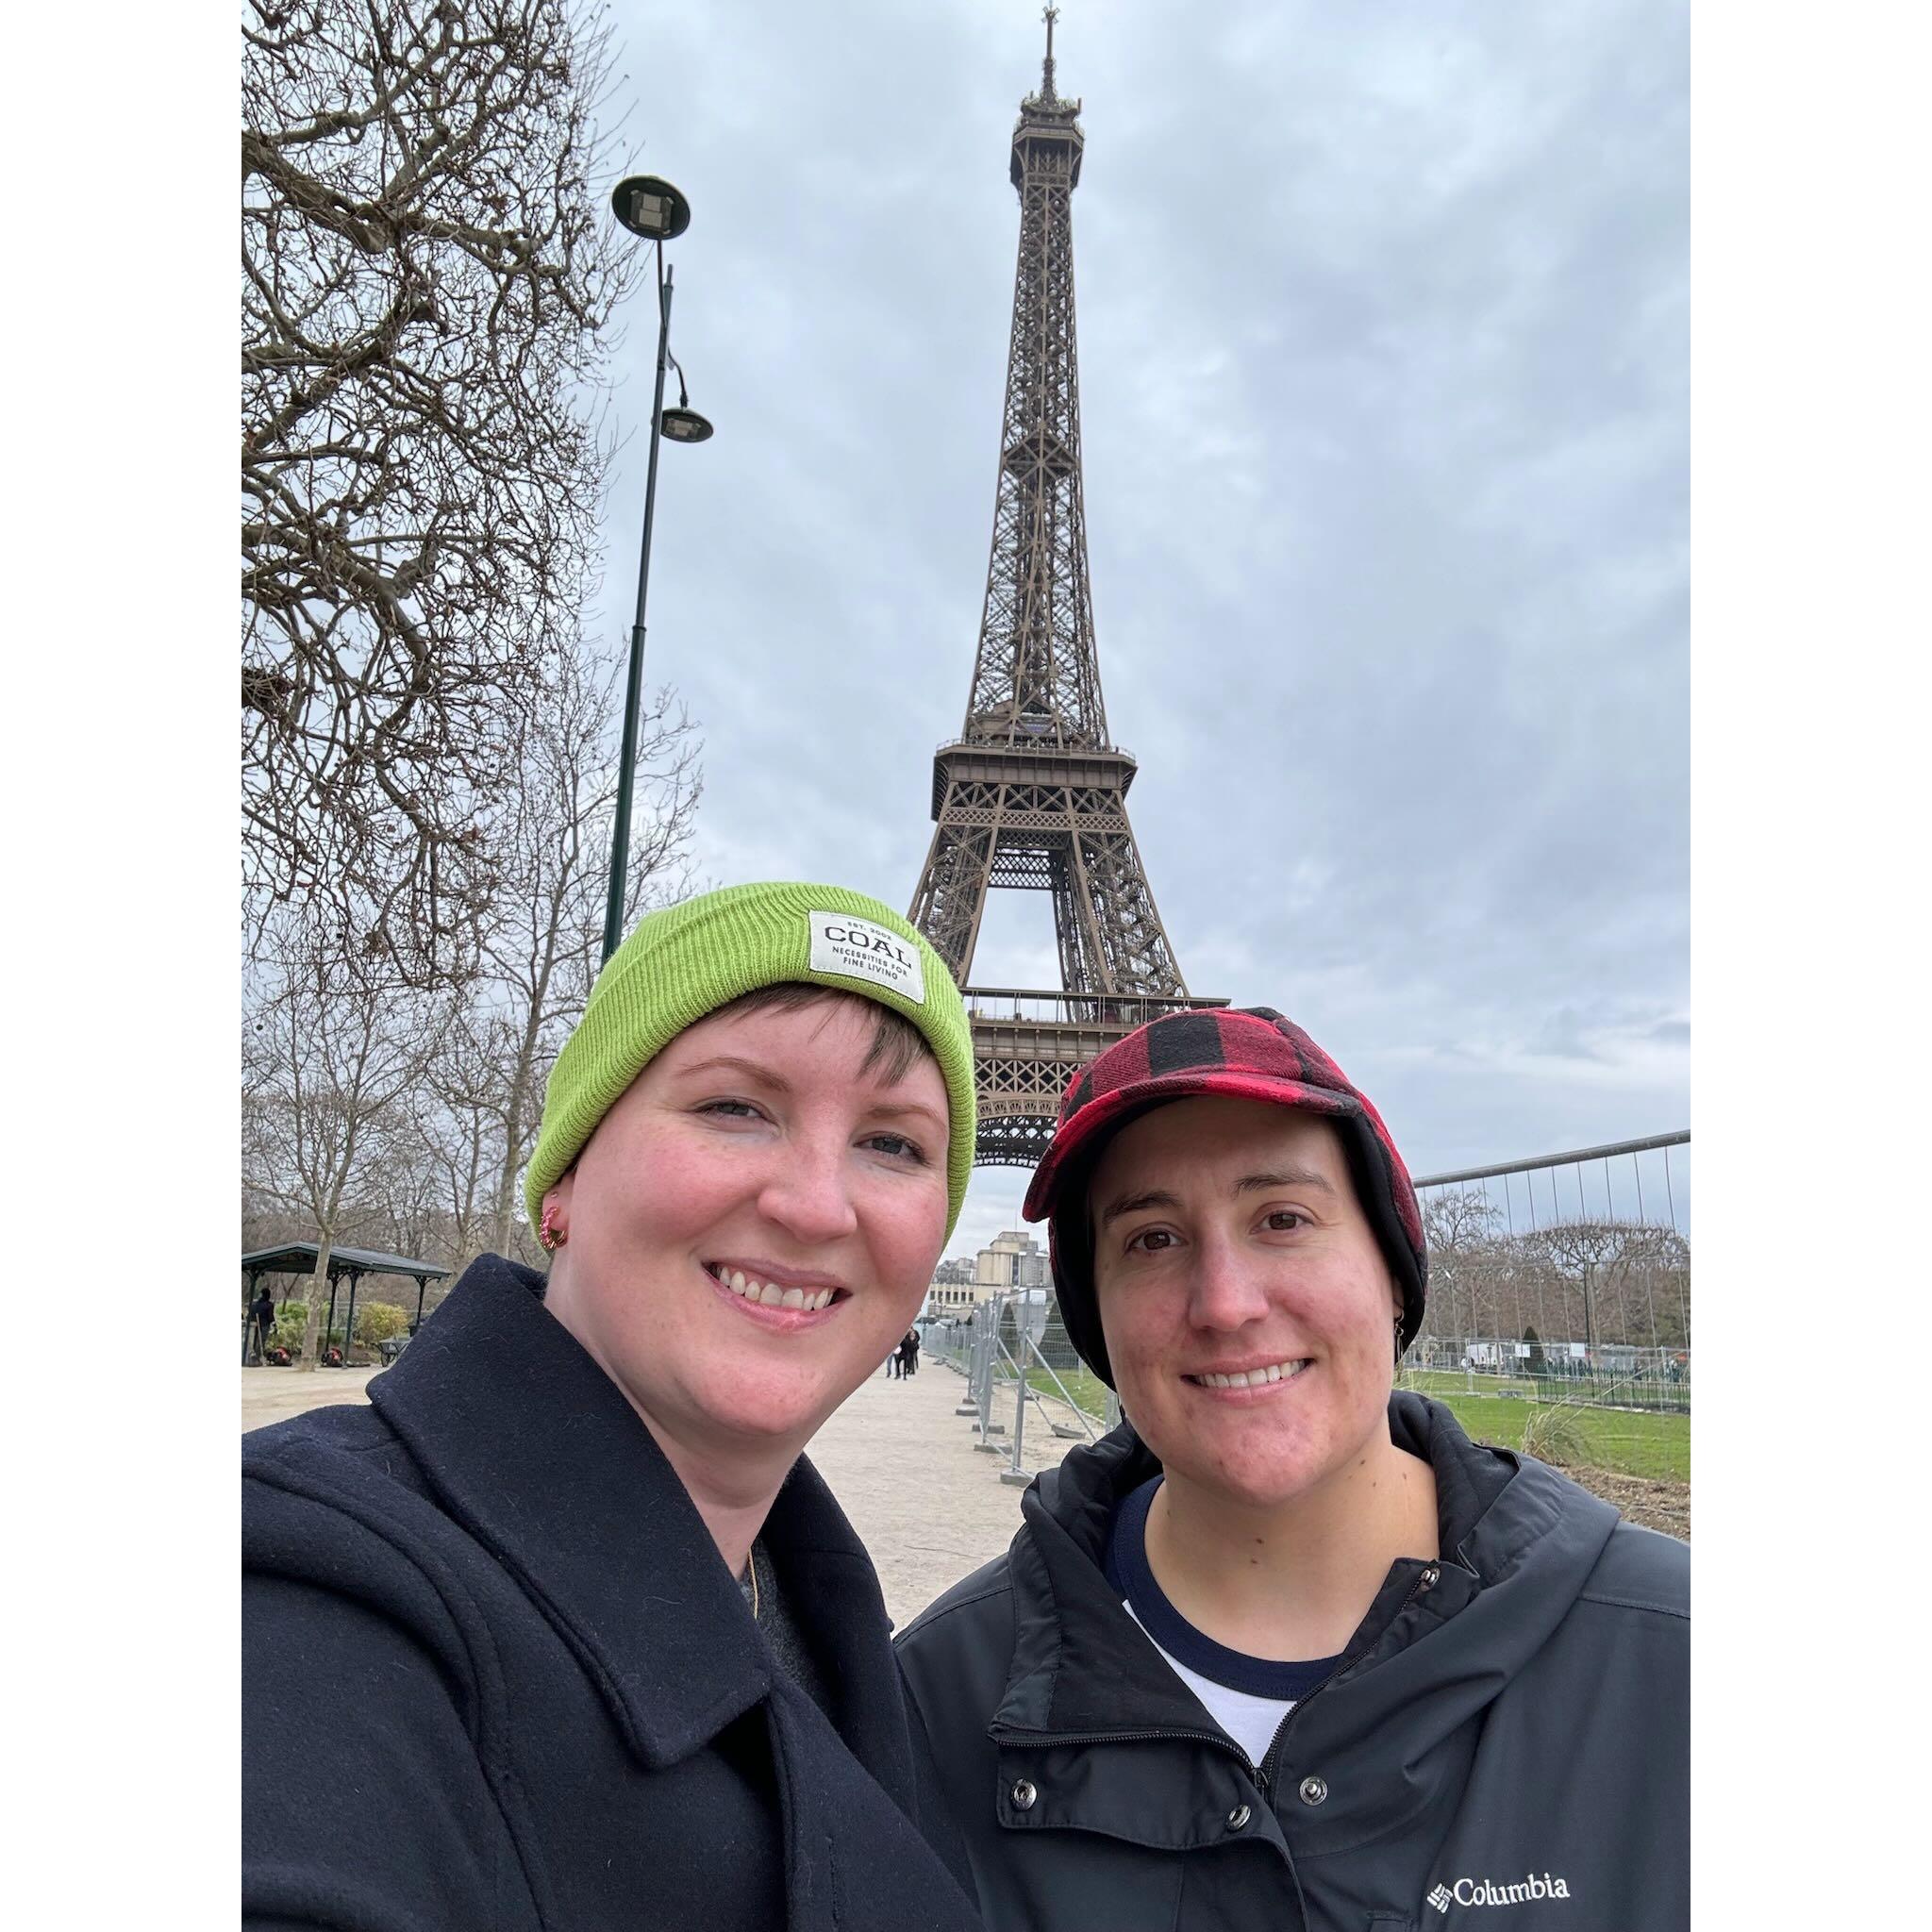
(651, 207)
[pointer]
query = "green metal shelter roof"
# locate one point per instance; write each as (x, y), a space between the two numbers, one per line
(298, 1258)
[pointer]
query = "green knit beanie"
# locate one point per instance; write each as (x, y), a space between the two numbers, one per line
(689, 959)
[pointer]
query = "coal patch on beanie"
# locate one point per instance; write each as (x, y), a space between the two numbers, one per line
(1250, 1053)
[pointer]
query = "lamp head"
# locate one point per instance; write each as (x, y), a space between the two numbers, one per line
(650, 207)
(684, 425)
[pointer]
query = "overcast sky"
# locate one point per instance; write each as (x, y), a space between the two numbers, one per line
(1383, 316)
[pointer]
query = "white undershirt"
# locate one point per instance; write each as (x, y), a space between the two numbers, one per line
(1250, 1720)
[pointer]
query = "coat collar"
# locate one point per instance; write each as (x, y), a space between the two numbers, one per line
(1516, 1539)
(533, 1449)
(1079, 1661)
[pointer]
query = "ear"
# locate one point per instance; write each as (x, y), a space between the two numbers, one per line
(557, 1200)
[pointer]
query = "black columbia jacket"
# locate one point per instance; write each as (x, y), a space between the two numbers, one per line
(496, 1677)
(1508, 1727)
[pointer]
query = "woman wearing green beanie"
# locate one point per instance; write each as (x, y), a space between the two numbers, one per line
(564, 1628)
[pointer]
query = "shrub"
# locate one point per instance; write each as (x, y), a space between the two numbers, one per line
(379, 1322)
(289, 1318)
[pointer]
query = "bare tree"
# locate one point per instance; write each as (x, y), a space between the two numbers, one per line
(1610, 1264)
(458, 1129)
(474, 1116)
(399, 1195)
(1465, 1260)
(540, 950)
(425, 271)
(330, 1051)
(409, 1114)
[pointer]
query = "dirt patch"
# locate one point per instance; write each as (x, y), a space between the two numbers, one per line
(1653, 1502)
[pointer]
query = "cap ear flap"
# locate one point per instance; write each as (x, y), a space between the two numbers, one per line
(1070, 1249)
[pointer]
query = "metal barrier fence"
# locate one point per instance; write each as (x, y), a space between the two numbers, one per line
(1021, 1372)
(1565, 1277)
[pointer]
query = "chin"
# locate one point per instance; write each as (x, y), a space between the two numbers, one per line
(775, 1406)
(1254, 1485)
(1258, 1470)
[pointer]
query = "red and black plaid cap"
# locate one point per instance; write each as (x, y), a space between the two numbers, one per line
(1250, 1052)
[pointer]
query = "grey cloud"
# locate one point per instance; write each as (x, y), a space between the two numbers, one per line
(1383, 347)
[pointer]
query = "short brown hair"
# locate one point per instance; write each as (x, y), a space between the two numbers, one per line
(897, 1045)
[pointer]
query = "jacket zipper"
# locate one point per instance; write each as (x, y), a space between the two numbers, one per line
(1265, 1773)
(1262, 1775)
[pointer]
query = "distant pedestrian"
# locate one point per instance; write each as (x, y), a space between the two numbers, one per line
(263, 1310)
(909, 1352)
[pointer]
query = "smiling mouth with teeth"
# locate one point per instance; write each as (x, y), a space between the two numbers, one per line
(769, 1294)
(1250, 1379)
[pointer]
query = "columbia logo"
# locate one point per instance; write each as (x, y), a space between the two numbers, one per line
(1490, 1891)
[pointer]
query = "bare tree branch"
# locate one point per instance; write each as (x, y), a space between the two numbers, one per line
(425, 272)
(330, 1051)
(371, 1105)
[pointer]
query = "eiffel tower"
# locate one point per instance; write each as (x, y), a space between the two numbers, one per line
(1032, 795)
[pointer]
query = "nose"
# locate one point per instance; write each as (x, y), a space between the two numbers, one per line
(806, 1193)
(1226, 1290)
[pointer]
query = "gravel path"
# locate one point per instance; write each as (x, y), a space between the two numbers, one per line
(928, 1505)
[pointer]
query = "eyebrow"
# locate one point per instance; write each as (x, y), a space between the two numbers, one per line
(1249, 1183)
(763, 1075)
(893, 1109)
(778, 1084)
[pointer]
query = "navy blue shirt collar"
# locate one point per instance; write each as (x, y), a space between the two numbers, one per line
(1130, 1573)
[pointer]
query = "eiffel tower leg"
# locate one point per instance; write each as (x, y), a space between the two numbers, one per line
(1083, 959)
(1139, 957)
(951, 899)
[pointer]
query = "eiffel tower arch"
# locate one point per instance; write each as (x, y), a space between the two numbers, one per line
(1032, 794)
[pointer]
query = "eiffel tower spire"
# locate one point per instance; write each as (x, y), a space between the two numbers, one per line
(1032, 795)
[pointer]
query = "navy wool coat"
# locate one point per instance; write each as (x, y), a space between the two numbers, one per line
(496, 1674)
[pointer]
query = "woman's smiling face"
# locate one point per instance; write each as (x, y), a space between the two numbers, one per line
(1248, 1311)
(755, 1224)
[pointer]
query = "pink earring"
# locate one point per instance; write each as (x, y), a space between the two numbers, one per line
(551, 1236)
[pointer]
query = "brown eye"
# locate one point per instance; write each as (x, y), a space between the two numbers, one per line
(1286, 1220)
(1150, 1241)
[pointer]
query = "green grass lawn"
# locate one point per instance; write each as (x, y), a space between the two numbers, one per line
(1632, 1444)
(1651, 1445)
(1085, 1389)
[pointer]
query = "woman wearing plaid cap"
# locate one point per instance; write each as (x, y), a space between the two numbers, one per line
(1285, 1648)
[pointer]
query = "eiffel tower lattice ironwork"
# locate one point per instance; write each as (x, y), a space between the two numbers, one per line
(1032, 795)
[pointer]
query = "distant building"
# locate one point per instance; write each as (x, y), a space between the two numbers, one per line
(953, 1298)
(1013, 1260)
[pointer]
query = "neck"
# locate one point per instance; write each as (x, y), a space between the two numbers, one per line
(731, 1484)
(1291, 1581)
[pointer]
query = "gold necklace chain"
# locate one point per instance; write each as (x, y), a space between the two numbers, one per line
(751, 1569)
